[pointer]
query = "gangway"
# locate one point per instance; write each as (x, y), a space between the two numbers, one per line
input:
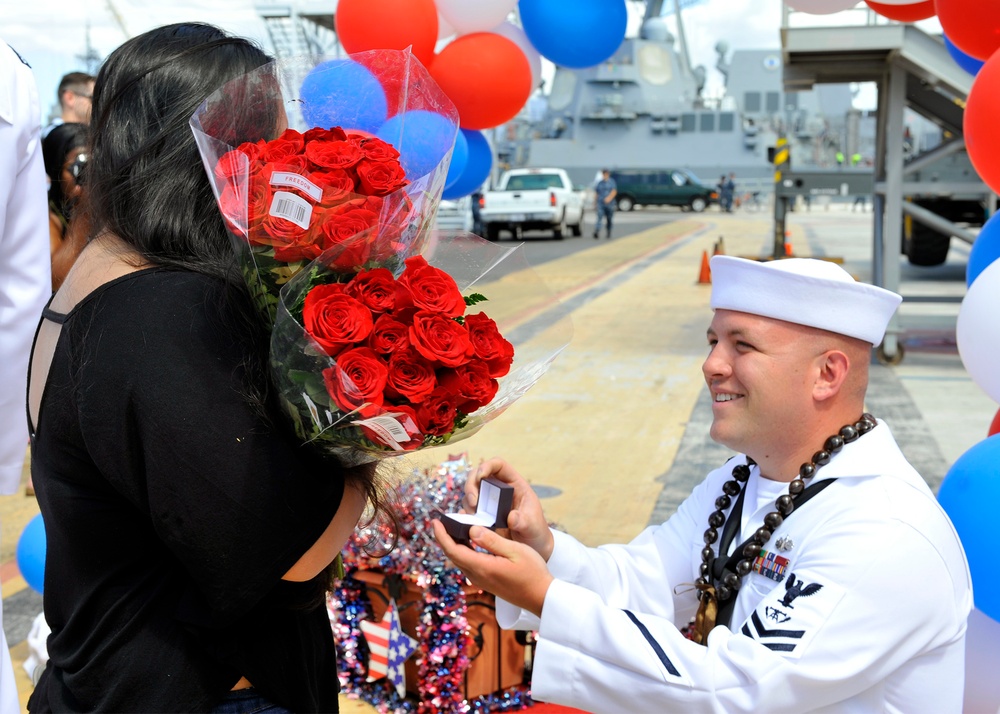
(298, 31)
(910, 69)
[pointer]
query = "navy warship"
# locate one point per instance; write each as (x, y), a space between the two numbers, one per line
(645, 108)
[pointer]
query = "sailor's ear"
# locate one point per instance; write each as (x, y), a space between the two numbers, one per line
(832, 369)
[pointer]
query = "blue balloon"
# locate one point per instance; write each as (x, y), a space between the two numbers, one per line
(422, 139)
(967, 62)
(343, 93)
(459, 158)
(31, 553)
(574, 33)
(477, 166)
(969, 494)
(985, 250)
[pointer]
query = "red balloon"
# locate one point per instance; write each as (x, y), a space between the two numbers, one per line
(972, 25)
(904, 13)
(487, 77)
(995, 426)
(388, 25)
(982, 108)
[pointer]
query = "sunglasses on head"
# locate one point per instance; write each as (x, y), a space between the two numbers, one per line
(76, 168)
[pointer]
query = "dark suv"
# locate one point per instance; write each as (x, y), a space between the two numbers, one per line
(661, 187)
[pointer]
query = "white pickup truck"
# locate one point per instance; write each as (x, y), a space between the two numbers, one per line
(533, 199)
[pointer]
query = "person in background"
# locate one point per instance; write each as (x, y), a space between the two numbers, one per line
(813, 572)
(24, 282)
(190, 534)
(75, 95)
(605, 192)
(727, 192)
(64, 151)
(477, 216)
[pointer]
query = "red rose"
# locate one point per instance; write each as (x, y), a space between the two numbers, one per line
(436, 414)
(233, 206)
(338, 185)
(379, 178)
(375, 149)
(321, 134)
(251, 149)
(289, 164)
(334, 319)
(279, 149)
(432, 289)
(389, 335)
(375, 288)
(357, 381)
(298, 246)
(290, 241)
(258, 205)
(489, 344)
(410, 376)
(473, 383)
(344, 236)
(232, 163)
(440, 339)
(396, 427)
(294, 138)
(333, 154)
(345, 221)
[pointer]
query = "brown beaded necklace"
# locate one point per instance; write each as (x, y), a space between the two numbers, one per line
(717, 585)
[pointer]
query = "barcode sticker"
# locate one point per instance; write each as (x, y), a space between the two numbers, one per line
(284, 178)
(292, 208)
(387, 430)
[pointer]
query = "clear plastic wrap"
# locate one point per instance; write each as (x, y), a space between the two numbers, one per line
(379, 344)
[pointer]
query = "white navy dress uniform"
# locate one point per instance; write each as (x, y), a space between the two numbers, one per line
(857, 603)
(25, 281)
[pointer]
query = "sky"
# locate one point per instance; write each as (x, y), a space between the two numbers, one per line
(52, 34)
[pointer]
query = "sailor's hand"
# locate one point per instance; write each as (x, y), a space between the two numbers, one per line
(512, 571)
(526, 520)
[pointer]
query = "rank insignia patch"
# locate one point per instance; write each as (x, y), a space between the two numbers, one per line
(771, 565)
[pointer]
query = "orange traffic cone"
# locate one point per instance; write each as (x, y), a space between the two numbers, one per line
(788, 250)
(705, 276)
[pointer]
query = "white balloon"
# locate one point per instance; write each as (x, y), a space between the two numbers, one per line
(516, 35)
(445, 30)
(474, 15)
(819, 7)
(977, 330)
(982, 662)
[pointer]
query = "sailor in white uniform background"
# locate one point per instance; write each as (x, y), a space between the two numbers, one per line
(816, 565)
(25, 281)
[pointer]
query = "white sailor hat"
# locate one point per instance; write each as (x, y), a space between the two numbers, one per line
(805, 291)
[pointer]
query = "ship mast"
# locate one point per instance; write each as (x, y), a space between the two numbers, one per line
(654, 8)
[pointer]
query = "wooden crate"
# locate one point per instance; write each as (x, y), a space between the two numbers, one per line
(497, 656)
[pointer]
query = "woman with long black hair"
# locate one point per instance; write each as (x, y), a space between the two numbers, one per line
(189, 535)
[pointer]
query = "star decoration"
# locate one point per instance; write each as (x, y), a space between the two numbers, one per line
(389, 648)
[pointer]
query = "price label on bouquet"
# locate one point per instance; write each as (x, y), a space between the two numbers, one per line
(292, 208)
(388, 430)
(285, 178)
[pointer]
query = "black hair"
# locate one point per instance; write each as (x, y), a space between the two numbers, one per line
(145, 180)
(55, 148)
(73, 82)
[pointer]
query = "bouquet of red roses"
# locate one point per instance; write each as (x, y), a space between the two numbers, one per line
(393, 363)
(295, 197)
(374, 347)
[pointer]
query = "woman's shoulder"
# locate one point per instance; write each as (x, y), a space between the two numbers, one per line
(155, 290)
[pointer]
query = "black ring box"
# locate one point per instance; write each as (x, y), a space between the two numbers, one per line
(495, 501)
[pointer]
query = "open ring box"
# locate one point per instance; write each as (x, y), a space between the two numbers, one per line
(495, 501)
